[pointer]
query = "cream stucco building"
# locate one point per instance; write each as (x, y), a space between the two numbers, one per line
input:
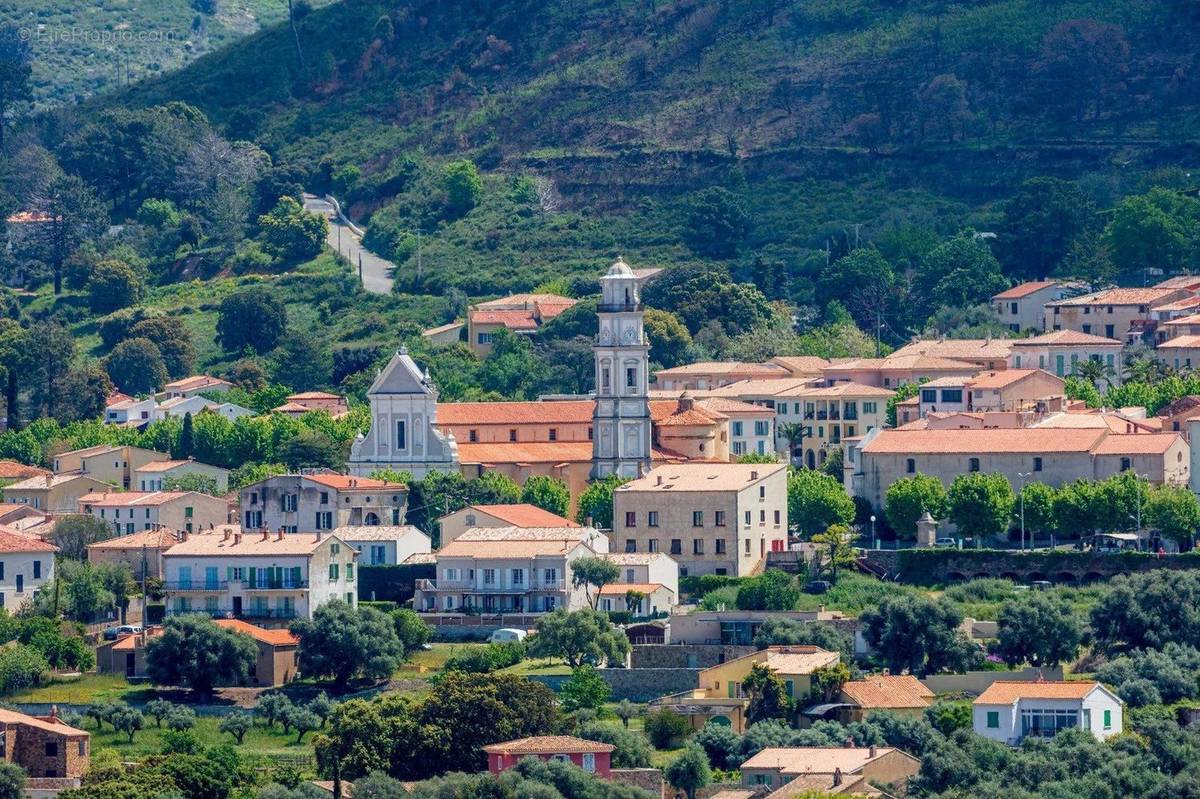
(712, 518)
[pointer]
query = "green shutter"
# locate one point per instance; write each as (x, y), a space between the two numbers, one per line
(253, 577)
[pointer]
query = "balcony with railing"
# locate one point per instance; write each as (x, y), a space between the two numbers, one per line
(208, 586)
(228, 613)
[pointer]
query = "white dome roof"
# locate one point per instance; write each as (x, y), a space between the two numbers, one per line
(619, 269)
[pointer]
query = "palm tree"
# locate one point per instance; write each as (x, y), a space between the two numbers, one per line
(793, 433)
(1093, 371)
(1142, 369)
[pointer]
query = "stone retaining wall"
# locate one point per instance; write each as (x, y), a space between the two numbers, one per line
(685, 656)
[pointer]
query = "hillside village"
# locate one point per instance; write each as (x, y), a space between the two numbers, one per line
(591, 400)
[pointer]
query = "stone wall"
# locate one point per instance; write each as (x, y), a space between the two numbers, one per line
(648, 779)
(941, 566)
(642, 685)
(684, 656)
(976, 682)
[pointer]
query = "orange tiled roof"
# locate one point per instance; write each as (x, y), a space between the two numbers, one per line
(762, 370)
(956, 348)
(525, 515)
(1137, 443)
(123, 499)
(1066, 337)
(801, 364)
(311, 395)
(729, 406)
(251, 543)
(195, 382)
(343, 482)
(1024, 289)
(1004, 692)
(524, 548)
(815, 759)
(12, 542)
(513, 320)
(1179, 282)
(888, 691)
(1005, 377)
(526, 301)
(272, 637)
(702, 477)
(1178, 305)
(547, 745)
(58, 727)
(12, 470)
(151, 539)
(1120, 296)
(1180, 343)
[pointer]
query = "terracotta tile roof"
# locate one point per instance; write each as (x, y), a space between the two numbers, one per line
(516, 533)
(732, 407)
(379, 532)
(458, 548)
(44, 481)
(815, 759)
(115, 499)
(11, 541)
(1191, 319)
(1024, 289)
(446, 328)
(166, 466)
(115, 397)
(1177, 305)
(692, 417)
(620, 589)
(251, 544)
(314, 395)
(87, 452)
(799, 659)
(272, 637)
(58, 727)
(849, 390)
(1121, 296)
(1005, 377)
(151, 539)
(291, 407)
(1065, 338)
(1185, 403)
(956, 349)
(943, 442)
(1005, 693)
(683, 477)
(888, 691)
(547, 744)
(344, 482)
(525, 301)
(761, 370)
(757, 388)
(676, 412)
(1137, 443)
(513, 320)
(1179, 282)
(12, 470)
(525, 515)
(1180, 343)
(948, 382)
(508, 413)
(928, 363)
(801, 364)
(195, 382)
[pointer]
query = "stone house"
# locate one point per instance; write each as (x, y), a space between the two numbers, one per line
(305, 503)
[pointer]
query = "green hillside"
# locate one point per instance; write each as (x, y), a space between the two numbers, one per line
(829, 119)
(84, 48)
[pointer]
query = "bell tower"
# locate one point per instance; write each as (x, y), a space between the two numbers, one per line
(621, 421)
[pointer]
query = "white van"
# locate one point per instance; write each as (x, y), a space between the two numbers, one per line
(507, 634)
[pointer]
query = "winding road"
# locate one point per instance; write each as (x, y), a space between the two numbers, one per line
(346, 239)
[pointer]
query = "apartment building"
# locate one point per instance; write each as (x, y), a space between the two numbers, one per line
(825, 416)
(131, 511)
(258, 575)
(53, 493)
(385, 544)
(157, 475)
(26, 564)
(1061, 351)
(1022, 307)
(896, 370)
(1051, 455)
(707, 375)
(305, 503)
(1006, 390)
(984, 353)
(141, 551)
(712, 518)
(509, 570)
(114, 465)
(1118, 313)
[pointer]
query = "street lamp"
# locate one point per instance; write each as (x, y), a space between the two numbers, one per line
(1023, 476)
(874, 540)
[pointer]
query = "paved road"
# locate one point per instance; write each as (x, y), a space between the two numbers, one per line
(376, 271)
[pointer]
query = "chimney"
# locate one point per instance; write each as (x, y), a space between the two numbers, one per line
(318, 536)
(873, 751)
(754, 475)
(848, 743)
(265, 534)
(279, 535)
(237, 538)
(659, 481)
(837, 777)
(183, 535)
(225, 537)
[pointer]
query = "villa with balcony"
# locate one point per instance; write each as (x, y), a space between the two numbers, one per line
(261, 576)
(516, 570)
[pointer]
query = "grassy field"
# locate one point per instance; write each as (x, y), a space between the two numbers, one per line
(82, 690)
(263, 741)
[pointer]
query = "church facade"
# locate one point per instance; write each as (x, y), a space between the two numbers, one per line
(404, 435)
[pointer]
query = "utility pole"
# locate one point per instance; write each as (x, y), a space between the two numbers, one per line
(360, 271)
(1023, 476)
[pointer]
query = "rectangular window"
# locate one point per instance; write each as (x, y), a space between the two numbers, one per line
(51, 748)
(401, 435)
(973, 465)
(549, 576)
(1037, 464)
(928, 395)
(554, 434)
(697, 546)
(747, 546)
(652, 545)
(652, 518)
(676, 546)
(953, 395)
(777, 518)
(868, 407)
(631, 545)
(333, 571)
(349, 572)
(698, 518)
(589, 761)
(512, 435)
(37, 570)
(719, 547)
(910, 465)
(324, 497)
(630, 518)
(631, 377)
(1108, 719)
(489, 576)
(747, 519)
(472, 435)
(993, 719)
(737, 428)
(719, 518)
(518, 577)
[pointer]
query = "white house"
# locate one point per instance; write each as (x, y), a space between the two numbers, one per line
(194, 385)
(1011, 711)
(131, 411)
(231, 411)
(26, 564)
(258, 575)
(386, 544)
(182, 406)
(156, 475)
(653, 575)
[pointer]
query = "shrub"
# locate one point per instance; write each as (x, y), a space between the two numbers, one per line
(666, 728)
(633, 749)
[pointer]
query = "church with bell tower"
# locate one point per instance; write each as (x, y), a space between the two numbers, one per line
(621, 421)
